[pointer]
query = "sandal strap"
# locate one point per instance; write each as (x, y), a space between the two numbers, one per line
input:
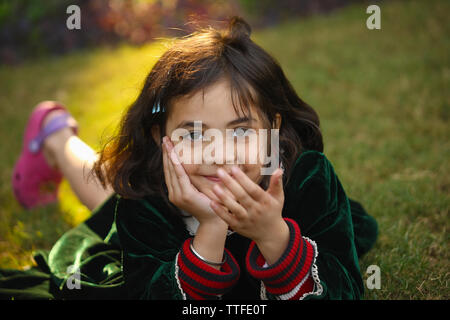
(54, 125)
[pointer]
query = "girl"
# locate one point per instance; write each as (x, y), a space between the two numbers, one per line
(166, 229)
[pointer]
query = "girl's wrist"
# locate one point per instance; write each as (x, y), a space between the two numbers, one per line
(209, 240)
(273, 246)
(213, 223)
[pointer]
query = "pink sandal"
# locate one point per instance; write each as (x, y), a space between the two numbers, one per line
(34, 182)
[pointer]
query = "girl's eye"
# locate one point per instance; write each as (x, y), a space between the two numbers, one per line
(194, 136)
(241, 132)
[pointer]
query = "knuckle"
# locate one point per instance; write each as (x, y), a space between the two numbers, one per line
(254, 191)
(241, 196)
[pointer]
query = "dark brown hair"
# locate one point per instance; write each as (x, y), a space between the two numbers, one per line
(131, 162)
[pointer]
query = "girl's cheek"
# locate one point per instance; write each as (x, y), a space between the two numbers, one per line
(190, 169)
(253, 172)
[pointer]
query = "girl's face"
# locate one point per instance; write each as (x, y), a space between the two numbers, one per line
(215, 110)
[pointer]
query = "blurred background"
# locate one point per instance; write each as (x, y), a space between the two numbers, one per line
(31, 28)
(382, 96)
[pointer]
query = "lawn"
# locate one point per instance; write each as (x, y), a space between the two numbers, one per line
(382, 96)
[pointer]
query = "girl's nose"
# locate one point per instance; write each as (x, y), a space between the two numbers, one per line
(229, 152)
(220, 153)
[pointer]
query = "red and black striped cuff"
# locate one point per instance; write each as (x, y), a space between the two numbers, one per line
(201, 281)
(292, 267)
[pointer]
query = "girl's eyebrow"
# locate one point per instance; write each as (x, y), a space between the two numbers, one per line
(190, 124)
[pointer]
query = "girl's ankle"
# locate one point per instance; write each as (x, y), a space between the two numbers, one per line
(56, 141)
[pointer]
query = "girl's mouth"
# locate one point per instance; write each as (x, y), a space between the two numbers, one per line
(213, 178)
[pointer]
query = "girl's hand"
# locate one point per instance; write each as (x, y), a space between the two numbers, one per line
(209, 240)
(254, 213)
(181, 191)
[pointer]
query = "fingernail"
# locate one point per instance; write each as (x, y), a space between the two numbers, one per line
(280, 177)
(166, 142)
(220, 173)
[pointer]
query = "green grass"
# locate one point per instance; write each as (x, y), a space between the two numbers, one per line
(383, 100)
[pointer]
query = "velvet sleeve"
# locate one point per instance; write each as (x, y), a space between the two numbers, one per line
(150, 244)
(316, 200)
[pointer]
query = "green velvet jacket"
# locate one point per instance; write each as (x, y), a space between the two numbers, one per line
(127, 248)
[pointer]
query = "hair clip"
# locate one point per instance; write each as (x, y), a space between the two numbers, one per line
(157, 108)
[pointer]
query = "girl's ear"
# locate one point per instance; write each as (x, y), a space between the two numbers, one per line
(156, 135)
(276, 124)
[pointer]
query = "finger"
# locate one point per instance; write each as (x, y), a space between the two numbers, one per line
(276, 184)
(179, 171)
(167, 176)
(176, 186)
(235, 188)
(229, 202)
(223, 213)
(254, 190)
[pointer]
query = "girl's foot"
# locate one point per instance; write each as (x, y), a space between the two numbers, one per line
(36, 177)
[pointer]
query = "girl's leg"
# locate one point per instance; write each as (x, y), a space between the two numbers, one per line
(74, 158)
